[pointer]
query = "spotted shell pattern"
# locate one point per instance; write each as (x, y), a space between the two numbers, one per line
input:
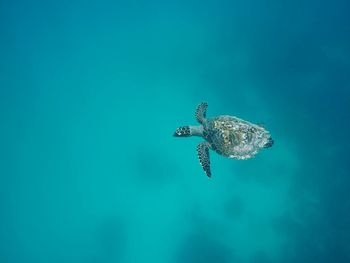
(233, 137)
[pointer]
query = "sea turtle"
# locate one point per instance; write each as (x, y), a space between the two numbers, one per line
(227, 135)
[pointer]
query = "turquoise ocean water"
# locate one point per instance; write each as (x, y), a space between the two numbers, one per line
(92, 91)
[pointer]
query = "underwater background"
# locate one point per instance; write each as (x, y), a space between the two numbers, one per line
(92, 91)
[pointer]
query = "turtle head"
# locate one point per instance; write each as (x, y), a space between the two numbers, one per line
(183, 131)
(187, 131)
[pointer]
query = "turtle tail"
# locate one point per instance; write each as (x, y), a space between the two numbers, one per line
(269, 143)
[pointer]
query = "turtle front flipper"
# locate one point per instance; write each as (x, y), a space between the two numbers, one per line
(201, 112)
(203, 155)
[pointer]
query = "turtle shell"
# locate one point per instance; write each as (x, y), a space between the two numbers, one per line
(235, 138)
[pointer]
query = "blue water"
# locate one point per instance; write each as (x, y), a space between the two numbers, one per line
(92, 91)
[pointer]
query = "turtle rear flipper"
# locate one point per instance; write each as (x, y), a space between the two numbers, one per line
(201, 112)
(203, 156)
